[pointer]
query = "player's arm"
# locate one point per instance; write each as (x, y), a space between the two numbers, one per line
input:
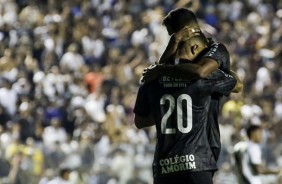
(200, 69)
(256, 161)
(170, 50)
(190, 71)
(217, 56)
(143, 121)
(172, 45)
(263, 170)
(220, 82)
(219, 53)
(239, 85)
(197, 69)
(142, 111)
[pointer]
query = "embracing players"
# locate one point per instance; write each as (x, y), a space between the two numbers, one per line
(184, 107)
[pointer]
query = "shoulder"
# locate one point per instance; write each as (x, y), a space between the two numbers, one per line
(254, 149)
(219, 52)
(150, 84)
(215, 48)
(252, 145)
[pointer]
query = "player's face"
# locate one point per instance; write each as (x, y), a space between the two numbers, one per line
(258, 135)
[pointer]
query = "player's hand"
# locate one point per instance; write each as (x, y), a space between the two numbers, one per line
(150, 73)
(181, 35)
(239, 85)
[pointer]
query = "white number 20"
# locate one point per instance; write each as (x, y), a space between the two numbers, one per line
(179, 112)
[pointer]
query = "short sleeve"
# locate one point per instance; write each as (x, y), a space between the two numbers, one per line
(255, 152)
(220, 54)
(221, 82)
(142, 107)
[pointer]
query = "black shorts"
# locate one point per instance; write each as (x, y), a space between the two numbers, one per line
(199, 177)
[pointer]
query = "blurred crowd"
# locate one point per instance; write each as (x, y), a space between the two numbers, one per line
(70, 71)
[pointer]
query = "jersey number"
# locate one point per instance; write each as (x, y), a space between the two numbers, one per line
(179, 112)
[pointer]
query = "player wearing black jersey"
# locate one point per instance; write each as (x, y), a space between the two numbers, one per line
(179, 108)
(214, 56)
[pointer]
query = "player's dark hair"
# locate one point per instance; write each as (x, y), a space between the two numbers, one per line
(178, 18)
(250, 129)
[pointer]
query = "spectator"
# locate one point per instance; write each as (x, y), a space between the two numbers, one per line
(62, 178)
(8, 66)
(72, 60)
(95, 105)
(54, 134)
(8, 97)
(34, 40)
(250, 162)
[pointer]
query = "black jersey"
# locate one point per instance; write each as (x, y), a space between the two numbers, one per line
(220, 54)
(180, 109)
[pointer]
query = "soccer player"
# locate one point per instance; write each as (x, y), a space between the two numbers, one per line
(248, 157)
(179, 109)
(207, 56)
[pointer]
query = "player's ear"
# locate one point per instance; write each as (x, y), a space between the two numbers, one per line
(194, 49)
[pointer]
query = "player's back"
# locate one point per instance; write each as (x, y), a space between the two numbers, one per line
(180, 109)
(180, 112)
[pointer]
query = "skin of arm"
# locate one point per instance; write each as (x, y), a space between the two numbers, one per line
(202, 69)
(142, 122)
(196, 70)
(169, 50)
(172, 45)
(263, 170)
(239, 85)
(191, 71)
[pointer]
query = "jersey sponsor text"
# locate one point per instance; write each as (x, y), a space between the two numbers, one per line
(178, 163)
